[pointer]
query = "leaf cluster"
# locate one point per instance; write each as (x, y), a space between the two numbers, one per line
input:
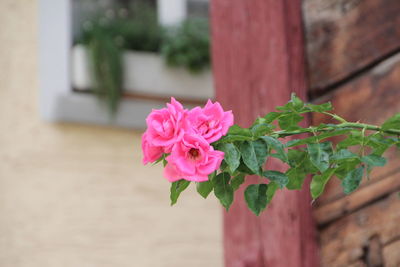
(247, 150)
(106, 37)
(188, 45)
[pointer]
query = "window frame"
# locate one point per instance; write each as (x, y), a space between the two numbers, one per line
(57, 101)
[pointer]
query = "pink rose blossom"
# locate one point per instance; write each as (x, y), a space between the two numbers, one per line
(186, 137)
(166, 126)
(192, 159)
(150, 153)
(211, 122)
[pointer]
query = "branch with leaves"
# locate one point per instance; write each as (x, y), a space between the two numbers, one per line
(246, 150)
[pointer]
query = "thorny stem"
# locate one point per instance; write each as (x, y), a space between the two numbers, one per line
(369, 127)
(362, 142)
(351, 125)
(336, 117)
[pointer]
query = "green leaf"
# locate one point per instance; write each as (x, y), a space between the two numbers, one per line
(320, 108)
(297, 103)
(232, 155)
(243, 168)
(275, 176)
(261, 150)
(319, 154)
(165, 162)
(278, 156)
(318, 182)
(162, 158)
(300, 167)
(256, 197)
(261, 129)
(176, 189)
(300, 159)
(272, 187)
(249, 156)
(296, 178)
(290, 121)
(344, 154)
(332, 133)
(270, 117)
(259, 120)
(236, 133)
(253, 154)
(237, 130)
(223, 190)
(277, 146)
(379, 143)
(237, 181)
(204, 188)
(354, 139)
(299, 142)
(232, 138)
(346, 166)
(374, 160)
(223, 166)
(392, 123)
(352, 180)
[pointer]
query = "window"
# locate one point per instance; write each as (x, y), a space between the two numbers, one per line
(65, 69)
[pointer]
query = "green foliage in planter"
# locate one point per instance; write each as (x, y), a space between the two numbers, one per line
(188, 45)
(137, 30)
(140, 31)
(106, 65)
(107, 37)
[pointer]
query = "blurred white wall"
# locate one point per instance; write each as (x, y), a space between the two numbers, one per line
(77, 195)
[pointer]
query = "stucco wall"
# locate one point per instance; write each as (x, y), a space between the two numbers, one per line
(77, 195)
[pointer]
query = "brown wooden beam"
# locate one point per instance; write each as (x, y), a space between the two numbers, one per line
(348, 239)
(258, 60)
(345, 37)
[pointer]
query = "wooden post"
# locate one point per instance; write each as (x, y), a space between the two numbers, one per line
(258, 60)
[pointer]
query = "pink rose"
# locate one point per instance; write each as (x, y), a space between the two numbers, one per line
(150, 153)
(166, 126)
(192, 159)
(211, 122)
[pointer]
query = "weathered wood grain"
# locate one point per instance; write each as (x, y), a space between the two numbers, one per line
(373, 252)
(351, 238)
(391, 254)
(334, 210)
(371, 98)
(257, 62)
(344, 36)
(357, 264)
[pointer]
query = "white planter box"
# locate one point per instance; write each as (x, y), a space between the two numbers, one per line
(146, 73)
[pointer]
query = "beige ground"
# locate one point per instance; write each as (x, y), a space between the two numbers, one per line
(77, 195)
